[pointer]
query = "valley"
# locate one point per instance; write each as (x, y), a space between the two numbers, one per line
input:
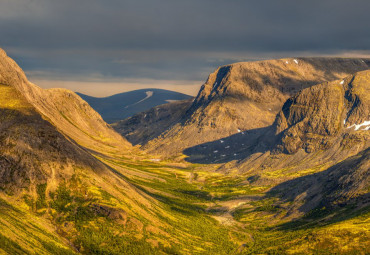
(271, 157)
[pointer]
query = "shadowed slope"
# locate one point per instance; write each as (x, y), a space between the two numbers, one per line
(121, 106)
(145, 126)
(346, 183)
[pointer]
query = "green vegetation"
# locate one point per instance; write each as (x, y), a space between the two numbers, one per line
(202, 213)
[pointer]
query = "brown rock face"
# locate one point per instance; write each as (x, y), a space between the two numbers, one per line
(246, 96)
(39, 130)
(317, 115)
(64, 109)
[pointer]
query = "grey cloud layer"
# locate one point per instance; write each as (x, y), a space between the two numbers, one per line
(171, 38)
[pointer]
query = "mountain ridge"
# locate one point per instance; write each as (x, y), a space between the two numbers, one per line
(245, 96)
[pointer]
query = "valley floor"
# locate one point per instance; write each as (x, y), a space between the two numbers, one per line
(201, 211)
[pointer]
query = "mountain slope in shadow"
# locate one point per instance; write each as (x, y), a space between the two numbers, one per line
(121, 106)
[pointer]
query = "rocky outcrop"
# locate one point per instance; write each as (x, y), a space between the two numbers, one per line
(246, 96)
(316, 116)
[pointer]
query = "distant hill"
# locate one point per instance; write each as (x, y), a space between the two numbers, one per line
(124, 105)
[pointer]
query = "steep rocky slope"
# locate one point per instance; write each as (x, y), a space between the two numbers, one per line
(145, 126)
(324, 123)
(64, 109)
(317, 115)
(345, 183)
(32, 151)
(246, 96)
(49, 169)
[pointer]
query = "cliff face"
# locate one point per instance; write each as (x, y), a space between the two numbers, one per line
(317, 115)
(245, 96)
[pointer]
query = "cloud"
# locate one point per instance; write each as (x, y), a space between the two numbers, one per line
(172, 39)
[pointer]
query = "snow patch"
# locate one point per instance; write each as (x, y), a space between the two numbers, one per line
(171, 100)
(221, 141)
(215, 151)
(148, 94)
(287, 62)
(342, 82)
(295, 61)
(239, 130)
(227, 147)
(366, 124)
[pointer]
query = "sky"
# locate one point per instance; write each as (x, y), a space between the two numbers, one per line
(103, 47)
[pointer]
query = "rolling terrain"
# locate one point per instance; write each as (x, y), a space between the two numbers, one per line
(295, 181)
(121, 106)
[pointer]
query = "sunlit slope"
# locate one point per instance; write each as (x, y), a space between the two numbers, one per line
(64, 109)
(51, 176)
(54, 177)
(247, 96)
(62, 197)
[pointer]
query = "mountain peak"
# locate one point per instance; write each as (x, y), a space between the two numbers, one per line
(248, 95)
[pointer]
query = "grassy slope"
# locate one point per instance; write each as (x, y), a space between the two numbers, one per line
(168, 207)
(199, 211)
(246, 220)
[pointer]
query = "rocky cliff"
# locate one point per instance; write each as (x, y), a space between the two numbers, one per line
(246, 96)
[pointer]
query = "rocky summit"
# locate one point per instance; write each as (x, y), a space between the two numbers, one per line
(247, 96)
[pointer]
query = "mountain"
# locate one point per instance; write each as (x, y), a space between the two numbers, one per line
(247, 96)
(63, 108)
(320, 125)
(145, 126)
(69, 184)
(124, 105)
(52, 179)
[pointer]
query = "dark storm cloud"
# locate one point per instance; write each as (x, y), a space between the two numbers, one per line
(173, 39)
